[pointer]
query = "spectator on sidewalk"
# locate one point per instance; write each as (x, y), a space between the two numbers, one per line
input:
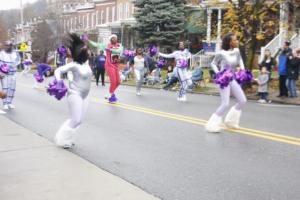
(268, 62)
(169, 73)
(293, 64)
(282, 70)
(100, 67)
(262, 81)
(172, 80)
(140, 64)
(197, 75)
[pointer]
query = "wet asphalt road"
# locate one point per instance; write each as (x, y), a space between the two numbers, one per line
(161, 146)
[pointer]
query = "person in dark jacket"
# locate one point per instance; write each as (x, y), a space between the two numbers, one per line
(293, 64)
(282, 70)
(268, 62)
(100, 67)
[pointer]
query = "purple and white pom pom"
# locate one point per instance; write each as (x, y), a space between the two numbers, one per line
(161, 63)
(38, 77)
(57, 89)
(129, 54)
(224, 77)
(183, 63)
(27, 62)
(152, 50)
(85, 37)
(4, 68)
(243, 76)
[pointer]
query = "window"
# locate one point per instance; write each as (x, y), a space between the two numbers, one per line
(88, 20)
(98, 17)
(76, 23)
(120, 11)
(132, 9)
(113, 14)
(102, 17)
(107, 14)
(71, 22)
(127, 11)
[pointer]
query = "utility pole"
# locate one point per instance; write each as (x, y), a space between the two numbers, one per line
(22, 22)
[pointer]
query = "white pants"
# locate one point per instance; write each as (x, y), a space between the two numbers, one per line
(139, 75)
(184, 80)
(77, 109)
(9, 87)
(26, 70)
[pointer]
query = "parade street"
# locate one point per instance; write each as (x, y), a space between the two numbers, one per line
(160, 145)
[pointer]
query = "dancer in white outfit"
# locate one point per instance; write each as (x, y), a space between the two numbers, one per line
(228, 58)
(27, 64)
(78, 91)
(181, 57)
(11, 58)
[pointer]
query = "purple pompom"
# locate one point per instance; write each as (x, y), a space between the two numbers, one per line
(4, 68)
(62, 51)
(161, 63)
(183, 63)
(224, 77)
(152, 50)
(38, 77)
(129, 54)
(27, 62)
(57, 89)
(243, 76)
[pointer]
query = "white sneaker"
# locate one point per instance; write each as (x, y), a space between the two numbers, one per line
(138, 94)
(11, 106)
(107, 96)
(5, 107)
(2, 112)
(183, 99)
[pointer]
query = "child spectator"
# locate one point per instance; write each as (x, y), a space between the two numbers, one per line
(262, 81)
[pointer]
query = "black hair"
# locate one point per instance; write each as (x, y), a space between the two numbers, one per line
(287, 43)
(179, 44)
(136, 50)
(226, 41)
(265, 57)
(78, 48)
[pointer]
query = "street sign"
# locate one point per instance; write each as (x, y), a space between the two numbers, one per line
(23, 47)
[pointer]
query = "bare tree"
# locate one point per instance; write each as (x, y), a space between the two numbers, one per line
(44, 41)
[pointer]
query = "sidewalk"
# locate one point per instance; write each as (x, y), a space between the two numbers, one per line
(32, 168)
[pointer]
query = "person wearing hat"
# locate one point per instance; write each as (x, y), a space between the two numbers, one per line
(113, 51)
(282, 69)
(11, 58)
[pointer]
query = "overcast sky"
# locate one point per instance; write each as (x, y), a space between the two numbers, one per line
(9, 4)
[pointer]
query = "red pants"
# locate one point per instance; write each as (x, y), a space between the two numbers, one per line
(114, 77)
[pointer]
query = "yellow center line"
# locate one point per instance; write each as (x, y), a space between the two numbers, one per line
(205, 121)
(198, 121)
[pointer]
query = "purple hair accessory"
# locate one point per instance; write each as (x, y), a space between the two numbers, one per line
(224, 77)
(161, 63)
(183, 63)
(62, 50)
(85, 37)
(243, 76)
(4, 68)
(27, 62)
(57, 89)
(152, 50)
(129, 53)
(38, 77)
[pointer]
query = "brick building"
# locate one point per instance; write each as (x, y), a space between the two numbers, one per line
(99, 19)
